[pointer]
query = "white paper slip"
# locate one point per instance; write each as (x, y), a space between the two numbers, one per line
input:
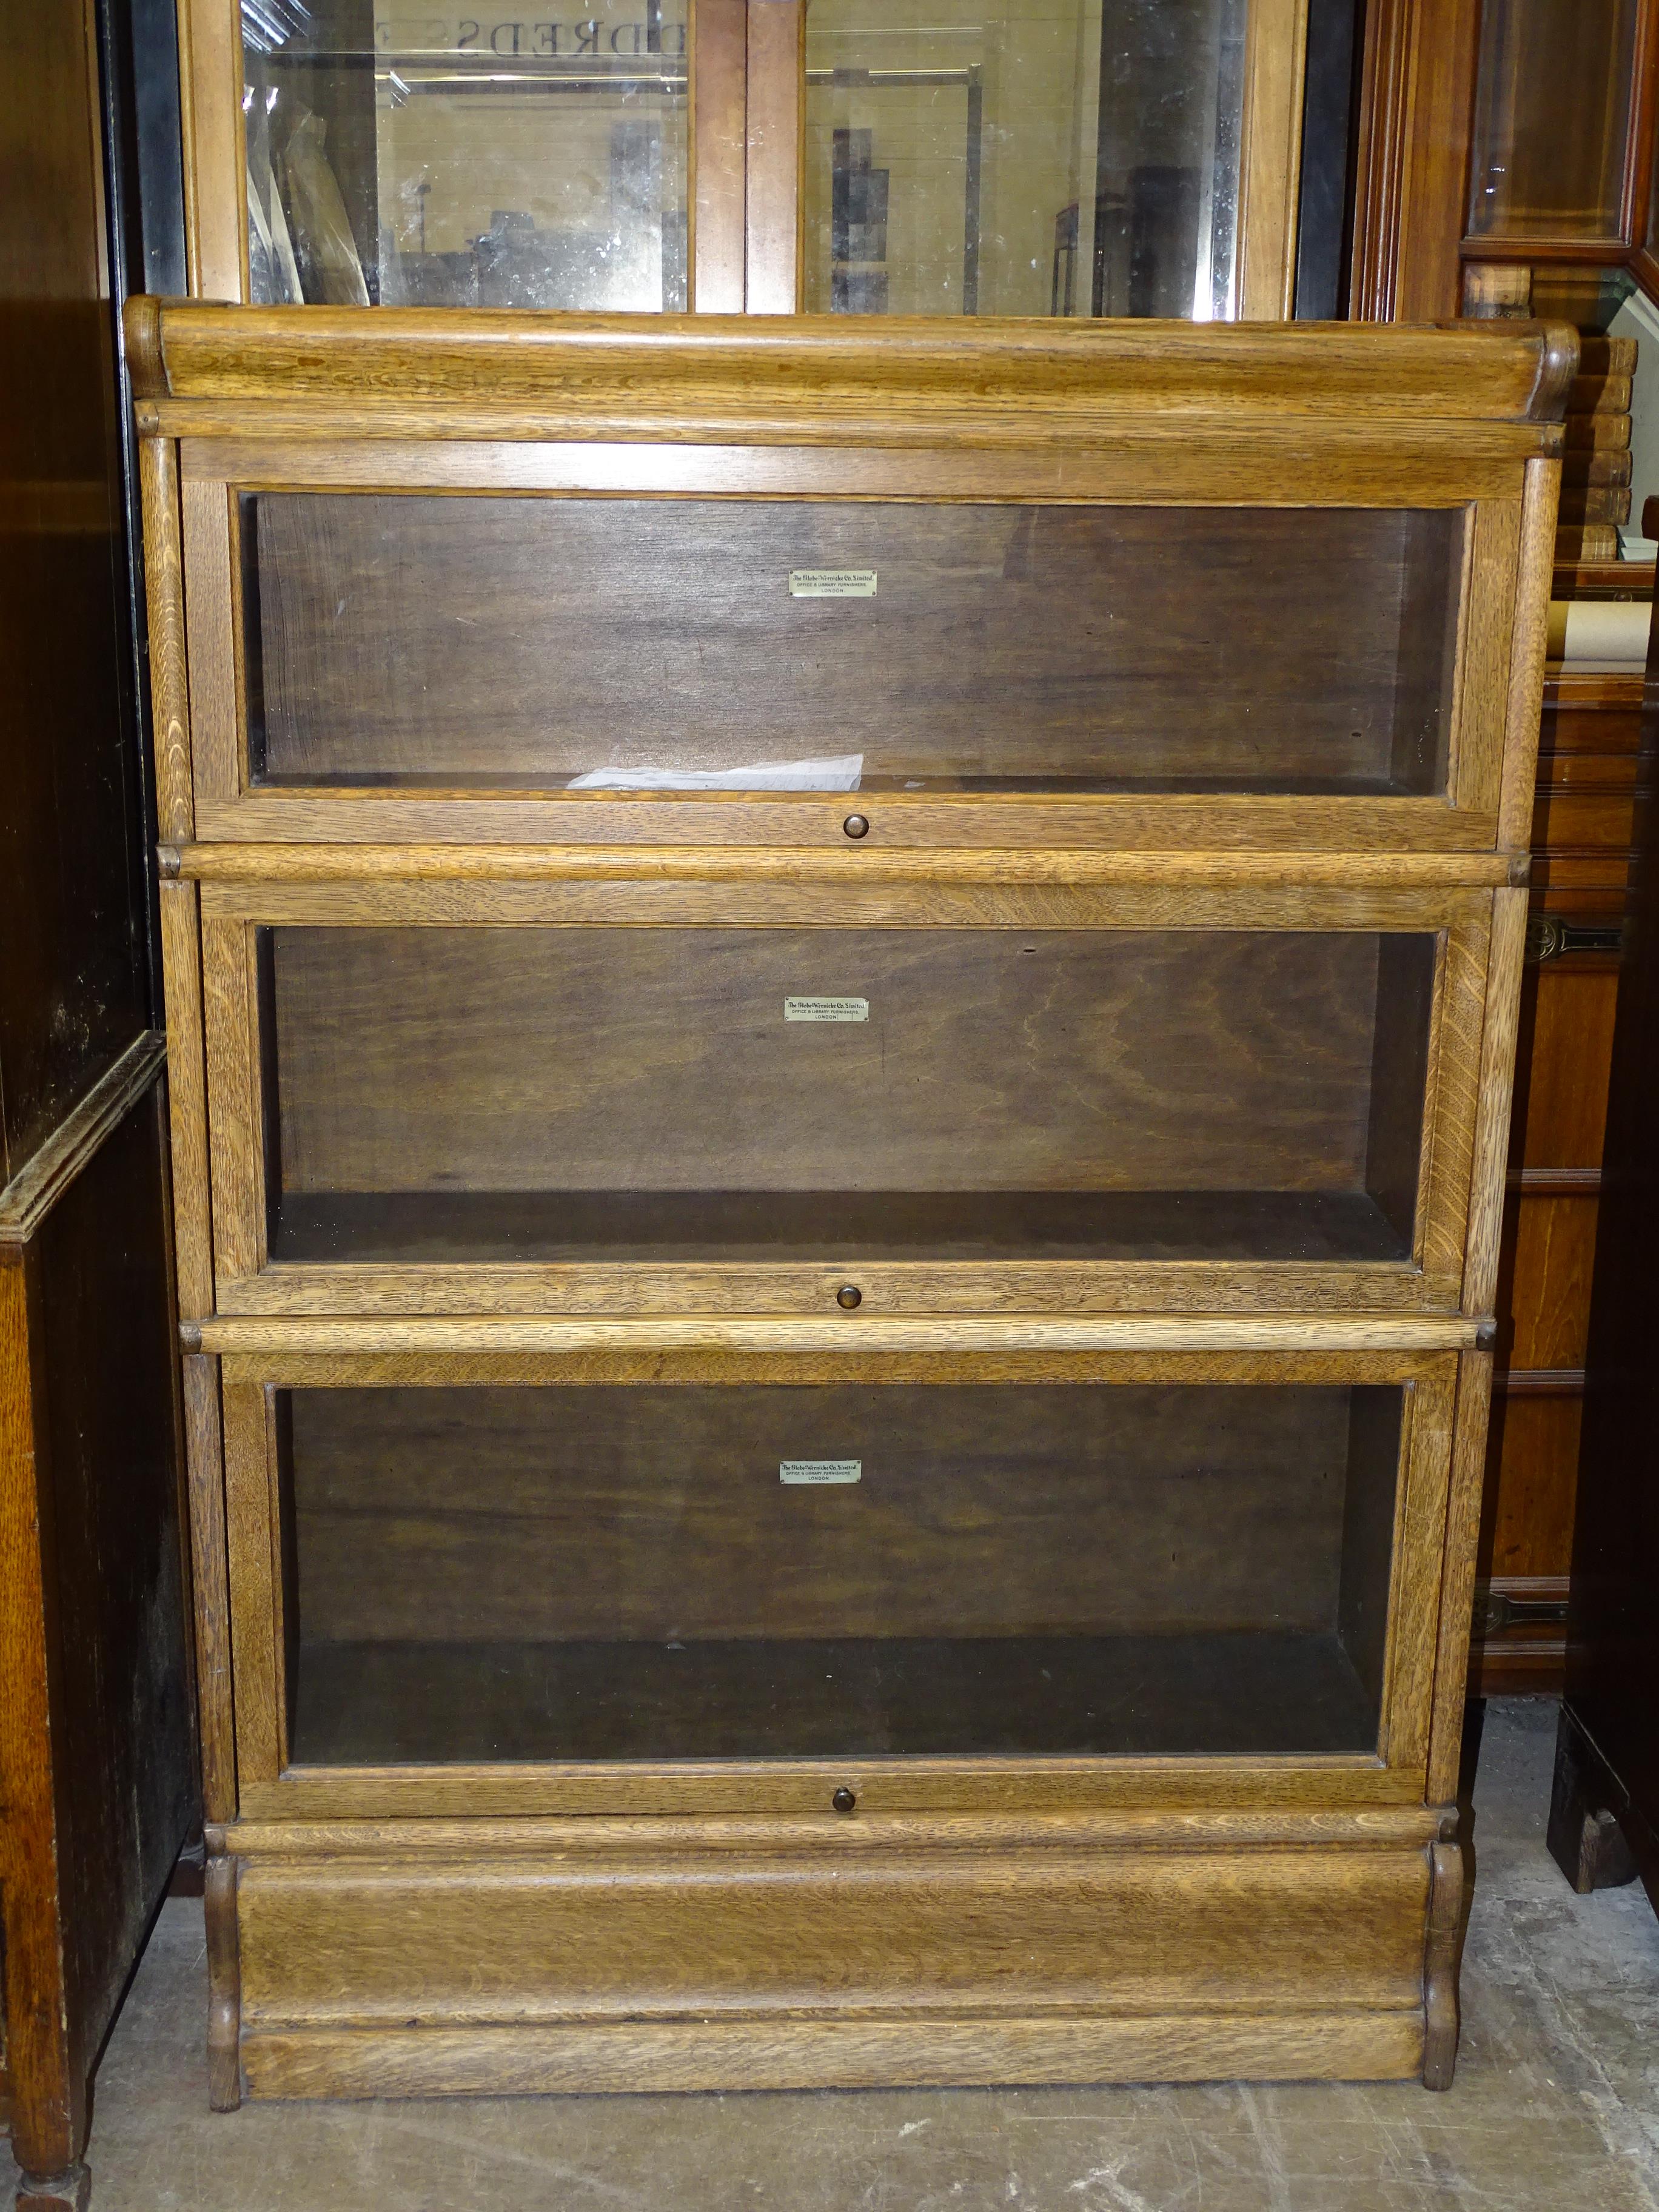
(820, 1470)
(841, 773)
(826, 1010)
(832, 583)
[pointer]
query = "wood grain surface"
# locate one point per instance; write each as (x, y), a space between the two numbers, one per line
(447, 1515)
(653, 1060)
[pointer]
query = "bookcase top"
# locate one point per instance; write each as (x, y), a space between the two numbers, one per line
(357, 358)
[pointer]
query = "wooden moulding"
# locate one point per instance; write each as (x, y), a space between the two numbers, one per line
(631, 365)
(791, 2053)
(26, 1200)
(671, 1333)
(868, 862)
(192, 1227)
(299, 833)
(214, 1677)
(158, 467)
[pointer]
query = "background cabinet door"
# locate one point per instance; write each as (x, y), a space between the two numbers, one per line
(1021, 157)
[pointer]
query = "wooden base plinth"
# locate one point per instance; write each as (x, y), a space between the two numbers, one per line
(488, 1958)
(694, 2055)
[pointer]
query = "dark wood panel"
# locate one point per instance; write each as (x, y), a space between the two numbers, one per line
(1267, 1692)
(126, 1773)
(615, 1059)
(1612, 1641)
(541, 638)
(1583, 821)
(1554, 1249)
(1566, 1043)
(1533, 1466)
(75, 992)
(660, 1514)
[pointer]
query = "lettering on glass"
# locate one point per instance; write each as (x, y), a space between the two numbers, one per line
(815, 1471)
(826, 1010)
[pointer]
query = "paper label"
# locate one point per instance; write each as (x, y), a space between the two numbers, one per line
(832, 583)
(820, 1470)
(826, 1010)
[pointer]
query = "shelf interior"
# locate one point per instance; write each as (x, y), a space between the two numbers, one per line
(693, 1571)
(455, 1095)
(490, 640)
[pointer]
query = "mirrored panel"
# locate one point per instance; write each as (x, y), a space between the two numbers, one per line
(824, 1094)
(1552, 118)
(690, 1572)
(401, 157)
(1024, 157)
(682, 643)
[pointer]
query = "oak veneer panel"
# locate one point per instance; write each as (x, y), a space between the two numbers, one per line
(491, 2062)
(660, 1060)
(1129, 1933)
(409, 639)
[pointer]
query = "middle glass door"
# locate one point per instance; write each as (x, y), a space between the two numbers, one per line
(1086, 1107)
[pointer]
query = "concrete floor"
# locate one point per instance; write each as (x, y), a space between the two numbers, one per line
(1556, 2103)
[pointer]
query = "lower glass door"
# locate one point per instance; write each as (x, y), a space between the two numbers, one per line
(689, 1572)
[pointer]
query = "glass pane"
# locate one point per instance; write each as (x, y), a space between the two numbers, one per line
(682, 642)
(705, 1572)
(404, 159)
(1552, 119)
(578, 1093)
(1024, 157)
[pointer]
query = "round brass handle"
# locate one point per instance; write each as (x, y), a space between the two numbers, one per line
(849, 1295)
(856, 825)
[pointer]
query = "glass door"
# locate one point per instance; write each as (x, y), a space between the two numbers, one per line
(401, 155)
(1022, 157)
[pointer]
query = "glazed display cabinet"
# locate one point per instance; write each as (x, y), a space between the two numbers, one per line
(841, 1003)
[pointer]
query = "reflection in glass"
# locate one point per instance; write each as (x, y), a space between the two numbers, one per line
(410, 159)
(1024, 157)
(1552, 118)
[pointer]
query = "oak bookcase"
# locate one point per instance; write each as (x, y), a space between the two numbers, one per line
(838, 1433)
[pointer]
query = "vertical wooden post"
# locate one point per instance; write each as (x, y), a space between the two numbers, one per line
(777, 116)
(719, 71)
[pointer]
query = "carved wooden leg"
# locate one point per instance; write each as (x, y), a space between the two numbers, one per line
(1584, 1838)
(1443, 1953)
(55, 2193)
(224, 1986)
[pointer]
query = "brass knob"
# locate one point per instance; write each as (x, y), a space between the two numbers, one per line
(856, 825)
(849, 1295)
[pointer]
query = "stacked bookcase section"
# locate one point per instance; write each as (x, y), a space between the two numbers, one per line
(842, 998)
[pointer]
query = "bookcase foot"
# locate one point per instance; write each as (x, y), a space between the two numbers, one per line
(69, 2191)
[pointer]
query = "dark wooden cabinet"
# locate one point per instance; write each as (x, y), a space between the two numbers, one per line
(1580, 863)
(97, 1777)
(1604, 1815)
